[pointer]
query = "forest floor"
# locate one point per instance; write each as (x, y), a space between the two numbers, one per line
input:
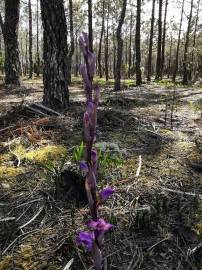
(150, 141)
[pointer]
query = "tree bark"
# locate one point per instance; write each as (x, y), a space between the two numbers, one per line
(130, 46)
(90, 25)
(186, 47)
(194, 61)
(10, 34)
(119, 39)
(107, 47)
(137, 43)
(37, 41)
(71, 51)
(170, 56)
(56, 94)
(30, 40)
(164, 39)
(178, 44)
(151, 42)
(159, 49)
(100, 42)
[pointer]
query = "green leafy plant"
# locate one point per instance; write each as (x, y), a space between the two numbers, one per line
(78, 152)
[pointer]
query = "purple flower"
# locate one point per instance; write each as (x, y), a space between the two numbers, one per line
(99, 225)
(83, 166)
(106, 193)
(86, 239)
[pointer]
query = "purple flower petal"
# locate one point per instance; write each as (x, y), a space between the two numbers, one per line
(85, 239)
(99, 225)
(83, 167)
(106, 193)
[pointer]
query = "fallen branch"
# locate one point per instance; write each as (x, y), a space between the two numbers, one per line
(36, 111)
(183, 193)
(46, 108)
(7, 219)
(33, 218)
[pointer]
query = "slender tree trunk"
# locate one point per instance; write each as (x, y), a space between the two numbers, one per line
(76, 55)
(37, 40)
(90, 25)
(178, 44)
(100, 42)
(130, 46)
(186, 47)
(137, 43)
(119, 39)
(56, 94)
(194, 61)
(30, 40)
(10, 34)
(107, 47)
(170, 56)
(26, 54)
(159, 49)
(114, 55)
(164, 39)
(71, 52)
(151, 42)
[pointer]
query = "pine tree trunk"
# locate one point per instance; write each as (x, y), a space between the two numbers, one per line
(137, 43)
(90, 25)
(107, 47)
(30, 40)
(26, 54)
(71, 52)
(194, 60)
(186, 47)
(164, 39)
(178, 44)
(114, 55)
(10, 34)
(158, 61)
(100, 42)
(170, 56)
(130, 46)
(76, 55)
(37, 41)
(56, 94)
(119, 39)
(151, 42)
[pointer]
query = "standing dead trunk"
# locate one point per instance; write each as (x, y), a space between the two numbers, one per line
(10, 34)
(151, 42)
(158, 61)
(90, 25)
(164, 39)
(100, 42)
(71, 51)
(178, 44)
(56, 94)
(119, 39)
(30, 40)
(137, 43)
(186, 47)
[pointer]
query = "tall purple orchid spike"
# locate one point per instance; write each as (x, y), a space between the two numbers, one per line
(93, 241)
